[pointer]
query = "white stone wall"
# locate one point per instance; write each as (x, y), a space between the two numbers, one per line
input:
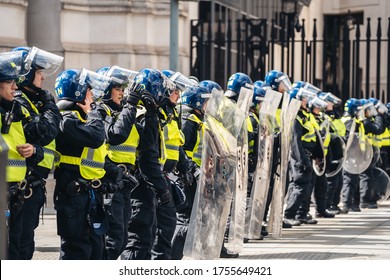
(133, 34)
(12, 23)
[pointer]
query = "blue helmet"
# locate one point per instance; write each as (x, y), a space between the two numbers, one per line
(351, 106)
(210, 85)
(72, 84)
(369, 108)
(168, 73)
(195, 97)
(379, 106)
(236, 82)
(155, 83)
(120, 77)
(278, 81)
(11, 65)
(258, 93)
(301, 94)
(179, 79)
(36, 59)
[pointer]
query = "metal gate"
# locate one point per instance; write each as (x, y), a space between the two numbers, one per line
(347, 59)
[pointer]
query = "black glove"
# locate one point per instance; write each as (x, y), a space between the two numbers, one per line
(133, 98)
(163, 197)
(149, 102)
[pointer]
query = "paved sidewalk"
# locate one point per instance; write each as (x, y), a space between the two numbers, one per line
(355, 236)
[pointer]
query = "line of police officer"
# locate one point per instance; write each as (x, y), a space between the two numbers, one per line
(126, 169)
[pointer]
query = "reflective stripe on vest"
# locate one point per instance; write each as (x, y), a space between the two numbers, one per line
(49, 151)
(173, 137)
(338, 127)
(310, 135)
(16, 168)
(127, 151)
(249, 127)
(386, 138)
(91, 161)
(196, 153)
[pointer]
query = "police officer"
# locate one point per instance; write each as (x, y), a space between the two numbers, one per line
(278, 81)
(176, 164)
(235, 83)
(319, 184)
(195, 97)
(337, 130)
(12, 138)
(153, 187)
(350, 186)
(374, 126)
(41, 130)
(122, 139)
(78, 195)
(303, 148)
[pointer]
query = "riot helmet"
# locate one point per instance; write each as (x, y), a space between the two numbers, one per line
(235, 83)
(155, 83)
(352, 107)
(258, 92)
(35, 59)
(379, 106)
(369, 108)
(11, 65)
(120, 78)
(72, 84)
(278, 81)
(195, 97)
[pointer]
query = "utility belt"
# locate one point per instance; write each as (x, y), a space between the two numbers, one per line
(82, 185)
(16, 191)
(16, 187)
(128, 177)
(33, 182)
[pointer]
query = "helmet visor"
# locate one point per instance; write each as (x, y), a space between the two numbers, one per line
(318, 103)
(168, 84)
(330, 97)
(369, 110)
(305, 94)
(48, 63)
(182, 81)
(381, 108)
(121, 76)
(311, 88)
(284, 83)
(11, 64)
(98, 83)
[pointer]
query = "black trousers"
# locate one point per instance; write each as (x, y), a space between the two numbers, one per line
(15, 221)
(78, 240)
(141, 226)
(333, 192)
(298, 188)
(350, 188)
(166, 224)
(30, 215)
(118, 209)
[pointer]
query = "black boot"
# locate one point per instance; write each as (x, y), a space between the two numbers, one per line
(226, 254)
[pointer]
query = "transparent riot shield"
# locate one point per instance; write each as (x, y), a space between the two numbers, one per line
(262, 176)
(288, 114)
(381, 184)
(337, 146)
(358, 156)
(214, 193)
(237, 214)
